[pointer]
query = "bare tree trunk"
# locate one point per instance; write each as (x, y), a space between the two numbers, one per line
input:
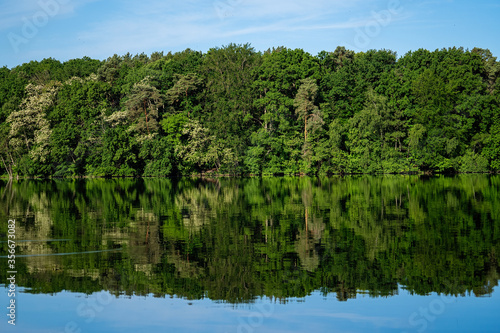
(265, 123)
(146, 115)
(305, 129)
(9, 170)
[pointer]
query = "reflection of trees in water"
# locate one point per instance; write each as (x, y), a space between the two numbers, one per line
(308, 242)
(33, 222)
(234, 240)
(144, 239)
(199, 204)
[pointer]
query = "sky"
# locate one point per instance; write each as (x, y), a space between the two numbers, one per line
(69, 29)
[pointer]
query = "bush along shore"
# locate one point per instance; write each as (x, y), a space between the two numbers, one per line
(236, 111)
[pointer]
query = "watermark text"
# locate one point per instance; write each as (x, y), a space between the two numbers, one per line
(11, 273)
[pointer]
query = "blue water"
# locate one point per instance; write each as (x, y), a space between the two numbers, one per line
(103, 312)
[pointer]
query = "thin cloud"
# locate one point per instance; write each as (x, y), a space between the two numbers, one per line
(143, 33)
(100, 28)
(157, 26)
(15, 13)
(285, 27)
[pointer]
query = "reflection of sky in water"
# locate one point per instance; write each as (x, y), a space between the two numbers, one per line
(101, 312)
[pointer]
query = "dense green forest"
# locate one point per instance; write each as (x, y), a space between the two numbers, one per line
(233, 110)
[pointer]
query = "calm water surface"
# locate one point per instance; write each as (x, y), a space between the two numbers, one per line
(339, 254)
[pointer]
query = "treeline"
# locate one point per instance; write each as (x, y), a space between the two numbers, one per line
(233, 110)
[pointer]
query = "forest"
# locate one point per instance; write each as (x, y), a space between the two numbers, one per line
(237, 111)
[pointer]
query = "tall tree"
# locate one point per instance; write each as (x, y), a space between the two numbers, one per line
(304, 104)
(29, 128)
(142, 106)
(180, 96)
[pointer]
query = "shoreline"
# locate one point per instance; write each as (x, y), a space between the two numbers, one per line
(249, 175)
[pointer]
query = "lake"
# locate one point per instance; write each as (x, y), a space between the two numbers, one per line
(394, 253)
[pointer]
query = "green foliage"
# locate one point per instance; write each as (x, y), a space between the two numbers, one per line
(492, 149)
(472, 162)
(142, 106)
(78, 125)
(281, 134)
(233, 110)
(158, 156)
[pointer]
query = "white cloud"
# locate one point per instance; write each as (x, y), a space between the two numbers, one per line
(163, 25)
(14, 13)
(101, 28)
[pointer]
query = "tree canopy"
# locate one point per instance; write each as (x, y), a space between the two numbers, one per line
(234, 110)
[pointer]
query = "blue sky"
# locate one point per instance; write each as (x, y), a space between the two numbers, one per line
(68, 29)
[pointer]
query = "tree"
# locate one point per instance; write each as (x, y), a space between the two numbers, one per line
(306, 110)
(304, 104)
(29, 129)
(5, 154)
(279, 139)
(228, 95)
(204, 151)
(491, 66)
(78, 124)
(376, 136)
(333, 61)
(178, 97)
(183, 85)
(142, 106)
(157, 155)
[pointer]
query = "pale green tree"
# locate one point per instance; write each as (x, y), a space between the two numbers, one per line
(304, 104)
(203, 149)
(29, 129)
